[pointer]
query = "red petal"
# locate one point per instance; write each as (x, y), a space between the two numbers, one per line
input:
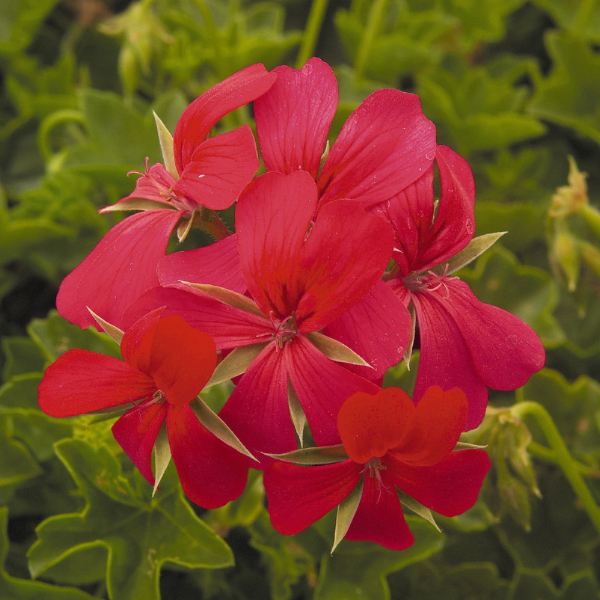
(257, 410)
(454, 223)
(272, 218)
(118, 270)
(385, 145)
(215, 264)
(505, 351)
(211, 472)
(136, 432)
(371, 424)
(155, 184)
(136, 345)
(436, 425)
(219, 169)
(377, 329)
(334, 274)
(379, 518)
(294, 116)
(203, 113)
(450, 487)
(229, 327)
(80, 381)
(322, 386)
(445, 359)
(300, 496)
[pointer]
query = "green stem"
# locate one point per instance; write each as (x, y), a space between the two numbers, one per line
(213, 225)
(50, 122)
(559, 454)
(372, 29)
(311, 33)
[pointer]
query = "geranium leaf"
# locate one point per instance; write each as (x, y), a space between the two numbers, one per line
(137, 534)
(16, 463)
(12, 588)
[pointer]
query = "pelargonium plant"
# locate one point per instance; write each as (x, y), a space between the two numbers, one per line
(341, 261)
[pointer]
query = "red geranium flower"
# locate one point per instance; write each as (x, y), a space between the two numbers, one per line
(167, 363)
(464, 343)
(199, 172)
(301, 276)
(390, 444)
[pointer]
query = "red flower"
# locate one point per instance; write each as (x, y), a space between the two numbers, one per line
(390, 444)
(167, 363)
(464, 343)
(385, 145)
(205, 172)
(301, 276)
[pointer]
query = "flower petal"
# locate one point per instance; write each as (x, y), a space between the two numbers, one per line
(322, 386)
(294, 116)
(379, 517)
(229, 327)
(118, 270)
(505, 350)
(454, 223)
(215, 264)
(445, 359)
(155, 184)
(377, 328)
(449, 487)
(219, 169)
(437, 422)
(211, 472)
(136, 432)
(300, 496)
(371, 424)
(385, 145)
(257, 410)
(333, 275)
(203, 113)
(81, 381)
(272, 218)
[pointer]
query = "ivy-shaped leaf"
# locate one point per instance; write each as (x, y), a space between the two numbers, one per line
(359, 569)
(570, 95)
(12, 588)
(131, 536)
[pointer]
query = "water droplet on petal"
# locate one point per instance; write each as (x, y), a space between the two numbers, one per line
(430, 155)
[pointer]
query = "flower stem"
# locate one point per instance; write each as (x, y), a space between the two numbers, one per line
(213, 225)
(311, 33)
(371, 31)
(559, 454)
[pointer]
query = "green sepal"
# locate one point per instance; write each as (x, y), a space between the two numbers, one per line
(477, 246)
(235, 363)
(413, 331)
(166, 145)
(162, 456)
(227, 297)
(184, 227)
(336, 350)
(323, 455)
(345, 513)
(417, 508)
(467, 446)
(111, 330)
(217, 426)
(296, 413)
(136, 204)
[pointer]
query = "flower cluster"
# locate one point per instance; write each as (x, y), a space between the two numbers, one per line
(341, 261)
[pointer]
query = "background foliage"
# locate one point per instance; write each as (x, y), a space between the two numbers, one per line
(513, 85)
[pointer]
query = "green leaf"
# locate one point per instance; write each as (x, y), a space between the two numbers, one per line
(131, 535)
(16, 463)
(20, 20)
(359, 569)
(12, 588)
(22, 356)
(570, 95)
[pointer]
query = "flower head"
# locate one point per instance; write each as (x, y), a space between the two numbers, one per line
(166, 364)
(390, 444)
